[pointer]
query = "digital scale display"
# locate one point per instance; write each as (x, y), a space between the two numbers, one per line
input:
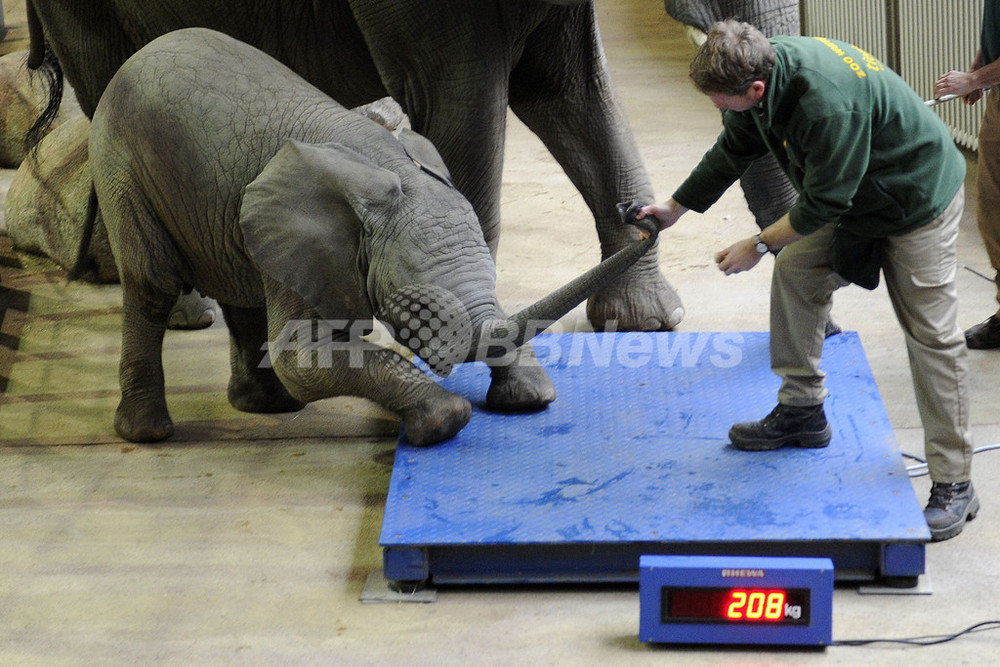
(735, 600)
(735, 605)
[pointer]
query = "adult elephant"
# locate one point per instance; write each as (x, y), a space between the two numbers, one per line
(453, 65)
(768, 191)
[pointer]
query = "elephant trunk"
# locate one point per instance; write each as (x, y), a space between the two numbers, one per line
(497, 337)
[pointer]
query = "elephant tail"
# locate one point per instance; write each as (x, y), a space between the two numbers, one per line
(520, 327)
(83, 261)
(550, 308)
(42, 59)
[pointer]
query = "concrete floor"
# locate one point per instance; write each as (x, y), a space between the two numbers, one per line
(248, 539)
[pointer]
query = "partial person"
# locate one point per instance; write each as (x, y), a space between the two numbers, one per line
(880, 192)
(982, 75)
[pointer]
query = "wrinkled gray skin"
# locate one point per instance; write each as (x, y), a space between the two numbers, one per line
(768, 191)
(453, 65)
(232, 174)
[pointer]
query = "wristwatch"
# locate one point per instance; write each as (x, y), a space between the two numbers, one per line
(760, 245)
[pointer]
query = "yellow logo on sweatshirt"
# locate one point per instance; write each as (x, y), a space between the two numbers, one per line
(868, 61)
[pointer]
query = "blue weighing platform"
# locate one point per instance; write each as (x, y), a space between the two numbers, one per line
(633, 458)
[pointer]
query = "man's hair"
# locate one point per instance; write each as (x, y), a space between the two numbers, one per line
(733, 57)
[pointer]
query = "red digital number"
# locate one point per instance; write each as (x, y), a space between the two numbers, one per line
(756, 605)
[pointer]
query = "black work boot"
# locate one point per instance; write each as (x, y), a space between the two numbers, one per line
(985, 335)
(786, 425)
(950, 506)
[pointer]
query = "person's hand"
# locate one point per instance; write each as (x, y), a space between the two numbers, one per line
(666, 215)
(739, 257)
(966, 84)
(958, 83)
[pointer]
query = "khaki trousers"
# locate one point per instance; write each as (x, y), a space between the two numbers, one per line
(988, 183)
(919, 270)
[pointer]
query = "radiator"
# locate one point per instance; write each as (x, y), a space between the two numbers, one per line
(935, 37)
(919, 39)
(860, 22)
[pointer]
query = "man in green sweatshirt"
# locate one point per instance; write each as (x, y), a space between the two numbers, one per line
(878, 177)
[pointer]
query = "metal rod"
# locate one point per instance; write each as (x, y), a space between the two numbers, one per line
(939, 100)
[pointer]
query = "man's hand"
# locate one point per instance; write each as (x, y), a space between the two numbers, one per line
(666, 215)
(739, 257)
(970, 85)
(963, 84)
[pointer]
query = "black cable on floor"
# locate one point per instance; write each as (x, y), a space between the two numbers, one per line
(928, 640)
(920, 469)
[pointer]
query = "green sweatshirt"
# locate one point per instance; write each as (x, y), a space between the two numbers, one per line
(856, 141)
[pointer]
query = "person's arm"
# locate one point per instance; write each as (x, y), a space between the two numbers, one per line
(969, 84)
(738, 145)
(834, 151)
(743, 255)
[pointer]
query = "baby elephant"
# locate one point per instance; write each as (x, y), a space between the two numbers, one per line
(217, 167)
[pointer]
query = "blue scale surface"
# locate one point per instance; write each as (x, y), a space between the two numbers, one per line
(634, 458)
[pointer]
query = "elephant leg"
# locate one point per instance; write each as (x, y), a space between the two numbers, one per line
(446, 64)
(429, 413)
(253, 387)
(771, 17)
(477, 148)
(562, 91)
(521, 384)
(517, 381)
(142, 414)
(314, 364)
(768, 191)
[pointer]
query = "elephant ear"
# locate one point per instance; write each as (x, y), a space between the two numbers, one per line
(302, 223)
(425, 155)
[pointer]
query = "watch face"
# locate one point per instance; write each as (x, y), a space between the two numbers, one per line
(761, 247)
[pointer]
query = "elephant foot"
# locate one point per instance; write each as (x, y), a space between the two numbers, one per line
(192, 311)
(520, 387)
(638, 301)
(436, 418)
(263, 397)
(143, 421)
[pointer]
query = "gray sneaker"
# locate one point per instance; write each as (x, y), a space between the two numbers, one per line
(949, 507)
